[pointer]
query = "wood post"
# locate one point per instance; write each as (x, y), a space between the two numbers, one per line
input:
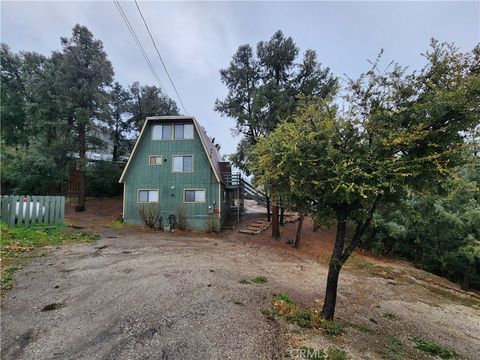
(275, 223)
(299, 230)
(268, 207)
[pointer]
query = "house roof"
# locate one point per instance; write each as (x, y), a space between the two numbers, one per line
(210, 149)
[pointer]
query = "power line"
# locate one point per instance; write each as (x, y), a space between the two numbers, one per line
(161, 59)
(139, 44)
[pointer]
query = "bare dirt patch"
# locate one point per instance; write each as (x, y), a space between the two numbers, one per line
(100, 212)
(142, 294)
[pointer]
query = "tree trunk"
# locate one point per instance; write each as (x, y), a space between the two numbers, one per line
(275, 224)
(335, 266)
(82, 155)
(466, 277)
(115, 153)
(268, 208)
(282, 216)
(299, 231)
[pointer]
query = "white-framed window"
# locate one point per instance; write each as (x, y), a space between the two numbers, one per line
(183, 131)
(194, 195)
(147, 196)
(182, 163)
(172, 131)
(162, 132)
(155, 160)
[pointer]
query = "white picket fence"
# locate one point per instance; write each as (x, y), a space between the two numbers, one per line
(26, 210)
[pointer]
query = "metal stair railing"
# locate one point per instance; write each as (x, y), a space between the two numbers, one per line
(255, 194)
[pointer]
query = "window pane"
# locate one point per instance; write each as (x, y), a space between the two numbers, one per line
(200, 195)
(187, 163)
(188, 131)
(153, 196)
(189, 195)
(157, 132)
(142, 195)
(179, 131)
(166, 132)
(178, 163)
(158, 160)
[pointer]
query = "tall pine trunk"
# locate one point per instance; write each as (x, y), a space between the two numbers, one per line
(82, 137)
(282, 216)
(115, 153)
(335, 266)
(268, 208)
(299, 231)
(275, 223)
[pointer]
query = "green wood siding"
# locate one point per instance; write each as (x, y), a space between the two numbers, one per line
(141, 175)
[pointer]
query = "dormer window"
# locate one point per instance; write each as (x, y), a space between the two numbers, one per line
(172, 131)
(183, 131)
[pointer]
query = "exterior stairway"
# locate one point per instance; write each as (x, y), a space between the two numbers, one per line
(240, 190)
(230, 221)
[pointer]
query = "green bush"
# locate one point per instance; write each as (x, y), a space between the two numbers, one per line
(283, 297)
(440, 233)
(102, 179)
(433, 348)
(31, 173)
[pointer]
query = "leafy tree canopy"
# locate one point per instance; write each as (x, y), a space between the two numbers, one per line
(399, 131)
(264, 88)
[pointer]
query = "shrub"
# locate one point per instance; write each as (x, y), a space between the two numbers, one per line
(31, 173)
(270, 313)
(301, 317)
(332, 328)
(390, 316)
(439, 232)
(283, 297)
(102, 179)
(255, 280)
(211, 224)
(433, 348)
(150, 215)
(181, 218)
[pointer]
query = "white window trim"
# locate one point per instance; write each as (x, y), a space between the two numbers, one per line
(183, 172)
(149, 158)
(194, 202)
(148, 202)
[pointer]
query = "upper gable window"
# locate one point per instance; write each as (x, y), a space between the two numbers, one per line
(172, 131)
(183, 131)
(162, 132)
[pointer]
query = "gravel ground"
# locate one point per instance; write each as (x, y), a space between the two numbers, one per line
(137, 295)
(140, 296)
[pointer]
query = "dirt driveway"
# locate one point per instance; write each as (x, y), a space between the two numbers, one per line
(132, 297)
(137, 295)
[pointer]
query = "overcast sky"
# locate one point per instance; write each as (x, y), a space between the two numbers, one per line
(196, 39)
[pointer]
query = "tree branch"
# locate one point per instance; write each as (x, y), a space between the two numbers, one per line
(360, 230)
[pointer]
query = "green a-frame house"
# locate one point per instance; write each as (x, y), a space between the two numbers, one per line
(174, 163)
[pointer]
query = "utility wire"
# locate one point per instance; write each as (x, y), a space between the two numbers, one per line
(161, 59)
(139, 44)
